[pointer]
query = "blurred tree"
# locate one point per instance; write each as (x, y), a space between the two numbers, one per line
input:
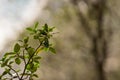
(92, 21)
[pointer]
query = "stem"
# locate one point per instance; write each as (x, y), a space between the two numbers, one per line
(24, 57)
(14, 71)
(30, 60)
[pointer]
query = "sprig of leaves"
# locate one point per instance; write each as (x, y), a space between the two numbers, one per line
(23, 52)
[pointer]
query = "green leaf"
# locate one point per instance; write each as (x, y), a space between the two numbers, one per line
(25, 46)
(36, 37)
(36, 64)
(1, 77)
(5, 62)
(46, 27)
(30, 51)
(18, 61)
(20, 40)
(46, 49)
(26, 39)
(35, 75)
(31, 78)
(3, 59)
(52, 50)
(37, 57)
(51, 29)
(4, 73)
(30, 66)
(9, 53)
(29, 29)
(16, 47)
(12, 57)
(3, 65)
(46, 43)
(11, 62)
(36, 25)
(43, 32)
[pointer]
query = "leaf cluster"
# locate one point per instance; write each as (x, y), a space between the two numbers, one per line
(23, 52)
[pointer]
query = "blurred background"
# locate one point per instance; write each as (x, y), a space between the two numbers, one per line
(88, 42)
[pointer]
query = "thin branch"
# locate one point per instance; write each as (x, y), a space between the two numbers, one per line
(30, 60)
(24, 57)
(14, 71)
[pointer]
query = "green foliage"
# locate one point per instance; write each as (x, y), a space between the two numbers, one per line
(17, 47)
(23, 52)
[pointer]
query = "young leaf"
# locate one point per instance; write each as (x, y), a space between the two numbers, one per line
(29, 29)
(36, 37)
(4, 73)
(52, 50)
(46, 49)
(18, 61)
(5, 62)
(9, 53)
(26, 39)
(36, 25)
(35, 75)
(39, 50)
(11, 62)
(37, 58)
(51, 29)
(46, 43)
(30, 51)
(16, 47)
(46, 27)
(3, 65)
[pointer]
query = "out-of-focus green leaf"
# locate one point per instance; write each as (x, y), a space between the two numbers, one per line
(51, 29)
(26, 39)
(46, 43)
(35, 75)
(18, 61)
(9, 53)
(11, 62)
(31, 51)
(37, 57)
(52, 50)
(16, 47)
(29, 29)
(46, 27)
(36, 25)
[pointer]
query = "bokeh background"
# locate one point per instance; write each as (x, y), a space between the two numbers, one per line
(88, 42)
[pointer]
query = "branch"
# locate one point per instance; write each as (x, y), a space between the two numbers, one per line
(30, 60)
(14, 71)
